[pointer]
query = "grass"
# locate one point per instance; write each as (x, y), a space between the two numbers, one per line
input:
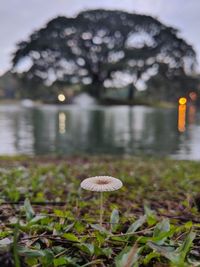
(47, 220)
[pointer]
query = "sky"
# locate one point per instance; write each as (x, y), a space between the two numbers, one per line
(18, 18)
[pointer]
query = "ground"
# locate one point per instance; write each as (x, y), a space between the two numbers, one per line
(47, 220)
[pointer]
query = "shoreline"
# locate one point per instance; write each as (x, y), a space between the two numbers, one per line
(104, 103)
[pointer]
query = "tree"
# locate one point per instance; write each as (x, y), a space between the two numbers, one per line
(102, 48)
(9, 85)
(172, 86)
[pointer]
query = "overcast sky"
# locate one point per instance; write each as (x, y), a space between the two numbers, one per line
(18, 18)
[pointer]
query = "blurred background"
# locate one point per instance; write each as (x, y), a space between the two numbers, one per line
(116, 77)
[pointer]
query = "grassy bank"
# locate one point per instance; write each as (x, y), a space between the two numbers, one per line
(47, 220)
(138, 102)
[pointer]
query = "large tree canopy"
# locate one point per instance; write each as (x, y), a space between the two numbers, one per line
(104, 48)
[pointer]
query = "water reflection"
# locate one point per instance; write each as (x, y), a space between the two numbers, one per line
(111, 130)
(181, 117)
(186, 108)
(62, 122)
(192, 110)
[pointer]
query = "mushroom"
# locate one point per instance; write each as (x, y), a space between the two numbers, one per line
(101, 184)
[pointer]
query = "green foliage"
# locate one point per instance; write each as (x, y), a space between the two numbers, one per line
(71, 237)
(114, 220)
(29, 210)
(128, 257)
(150, 215)
(175, 256)
(152, 223)
(137, 224)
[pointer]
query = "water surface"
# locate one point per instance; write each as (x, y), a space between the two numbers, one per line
(70, 130)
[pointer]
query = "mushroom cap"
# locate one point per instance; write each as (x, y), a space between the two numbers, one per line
(101, 183)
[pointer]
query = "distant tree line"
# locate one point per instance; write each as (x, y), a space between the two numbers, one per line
(102, 49)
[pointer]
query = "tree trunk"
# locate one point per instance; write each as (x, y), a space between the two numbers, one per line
(96, 87)
(131, 92)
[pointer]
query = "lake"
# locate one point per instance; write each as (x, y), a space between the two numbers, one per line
(118, 130)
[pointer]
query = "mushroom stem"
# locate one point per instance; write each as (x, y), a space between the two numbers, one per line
(101, 209)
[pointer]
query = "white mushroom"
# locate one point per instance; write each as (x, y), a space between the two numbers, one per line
(101, 184)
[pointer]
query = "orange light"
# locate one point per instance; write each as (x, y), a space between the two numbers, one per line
(182, 100)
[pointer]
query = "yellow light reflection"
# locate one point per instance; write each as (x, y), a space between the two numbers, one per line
(181, 117)
(61, 97)
(62, 122)
(182, 100)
